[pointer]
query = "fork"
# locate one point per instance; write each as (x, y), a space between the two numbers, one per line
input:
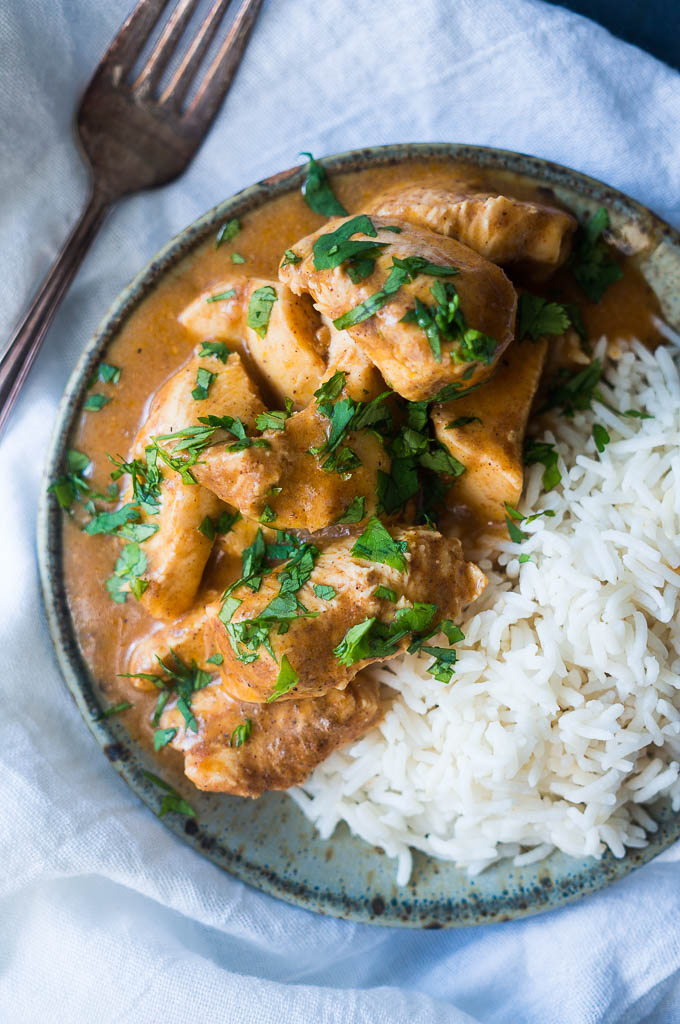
(133, 138)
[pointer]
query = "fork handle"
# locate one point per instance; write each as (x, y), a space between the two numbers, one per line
(25, 343)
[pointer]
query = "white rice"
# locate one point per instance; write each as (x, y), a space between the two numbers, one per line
(563, 717)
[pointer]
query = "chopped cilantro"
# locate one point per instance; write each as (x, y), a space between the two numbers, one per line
(215, 348)
(513, 517)
(207, 528)
(591, 263)
(285, 546)
(226, 521)
(286, 680)
(543, 452)
(523, 558)
(241, 733)
(260, 309)
(94, 403)
(172, 801)
(107, 373)
(336, 247)
(403, 271)
(132, 562)
(237, 258)
(572, 392)
(227, 232)
(355, 511)
(385, 594)
(229, 294)
(162, 737)
(324, 591)
(204, 379)
(215, 659)
(376, 545)
(600, 436)
(537, 317)
(70, 486)
(375, 639)
(331, 388)
(274, 420)
(392, 227)
(290, 257)
(268, 515)
(636, 414)
(318, 193)
(109, 522)
(124, 705)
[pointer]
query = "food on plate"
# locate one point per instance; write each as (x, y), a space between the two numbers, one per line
(373, 501)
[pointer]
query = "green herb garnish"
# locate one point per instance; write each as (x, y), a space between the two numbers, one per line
(386, 594)
(237, 258)
(172, 801)
(229, 294)
(543, 452)
(537, 317)
(376, 545)
(260, 309)
(286, 680)
(107, 373)
(95, 402)
(355, 511)
(600, 437)
(227, 232)
(162, 737)
(132, 562)
(591, 263)
(290, 257)
(318, 193)
(401, 273)
(274, 420)
(324, 591)
(215, 348)
(241, 733)
(204, 379)
(124, 705)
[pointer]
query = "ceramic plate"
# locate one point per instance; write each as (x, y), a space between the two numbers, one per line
(268, 843)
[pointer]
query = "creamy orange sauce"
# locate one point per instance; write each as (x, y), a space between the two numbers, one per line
(152, 345)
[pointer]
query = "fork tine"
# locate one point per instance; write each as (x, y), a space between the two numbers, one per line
(129, 43)
(216, 83)
(165, 47)
(182, 79)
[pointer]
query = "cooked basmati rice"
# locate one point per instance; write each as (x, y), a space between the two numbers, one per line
(564, 713)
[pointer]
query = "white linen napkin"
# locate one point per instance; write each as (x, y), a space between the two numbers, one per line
(105, 915)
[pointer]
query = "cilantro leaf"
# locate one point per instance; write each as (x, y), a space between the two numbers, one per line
(107, 373)
(229, 294)
(237, 258)
(215, 659)
(376, 545)
(162, 737)
(336, 247)
(124, 705)
(260, 308)
(600, 436)
(591, 262)
(318, 193)
(215, 348)
(355, 511)
(227, 232)
(172, 801)
(94, 403)
(274, 420)
(324, 592)
(241, 733)
(131, 563)
(572, 392)
(386, 594)
(287, 679)
(403, 271)
(537, 317)
(543, 452)
(462, 421)
(204, 379)
(290, 257)
(109, 522)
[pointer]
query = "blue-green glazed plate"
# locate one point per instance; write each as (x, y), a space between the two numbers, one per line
(268, 843)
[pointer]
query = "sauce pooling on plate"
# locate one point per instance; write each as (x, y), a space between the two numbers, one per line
(308, 422)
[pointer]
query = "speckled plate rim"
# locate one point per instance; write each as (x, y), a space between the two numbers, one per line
(543, 886)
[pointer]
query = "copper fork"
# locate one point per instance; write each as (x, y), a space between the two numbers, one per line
(133, 138)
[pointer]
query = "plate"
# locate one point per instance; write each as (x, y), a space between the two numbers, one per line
(268, 843)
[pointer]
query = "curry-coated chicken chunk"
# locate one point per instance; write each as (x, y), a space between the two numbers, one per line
(292, 637)
(504, 230)
(246, 749)
(429, 312)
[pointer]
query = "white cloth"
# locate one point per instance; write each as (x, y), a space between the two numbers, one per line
(104, 915)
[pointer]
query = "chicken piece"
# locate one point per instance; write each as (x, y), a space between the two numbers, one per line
(402, 351)
(285, 484)
(187, 636)
(289, 357)
(436, 573)
(364, 380)
(177, 553)
(503, 230)
(287, 741)
(491, 450)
